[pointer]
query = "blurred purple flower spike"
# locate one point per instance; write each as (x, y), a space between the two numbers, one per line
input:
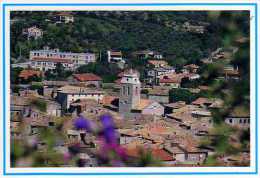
(82, 123)
(107, 121)
(109, 132)
(110, 135)
(66, 157)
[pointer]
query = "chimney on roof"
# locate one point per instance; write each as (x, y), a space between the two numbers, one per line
(46, 48)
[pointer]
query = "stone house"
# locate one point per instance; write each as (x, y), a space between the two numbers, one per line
(33, 32)
(64, 17)
(87, 79)
(69, 94)
(239, 117)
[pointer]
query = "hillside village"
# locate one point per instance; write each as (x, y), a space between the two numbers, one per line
(171, 110)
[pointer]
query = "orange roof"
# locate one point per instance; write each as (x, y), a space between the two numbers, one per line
(176, 105)
(56, 60)
(133, 152)
(157, 62)
(107, 100)
(86, 77)
(170, 80)
(162, 155)
(157, 153)
(115, 53)
(29, 73)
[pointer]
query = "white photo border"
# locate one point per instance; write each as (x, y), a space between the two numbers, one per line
(5, 66)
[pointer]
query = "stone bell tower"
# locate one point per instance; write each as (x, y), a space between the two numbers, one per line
(129, 92)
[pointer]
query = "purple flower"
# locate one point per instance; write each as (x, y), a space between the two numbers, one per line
(106, 148)
(107, 121)
(121, 152)
(82, 123)
(108, 131)
(109, 135)
(66, 157)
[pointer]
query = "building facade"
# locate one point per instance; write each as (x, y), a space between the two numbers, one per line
(33, 32)
(77, 59)
(88, 80)
(69, 94)
(114, 56)
(44, 64)
(64, 17)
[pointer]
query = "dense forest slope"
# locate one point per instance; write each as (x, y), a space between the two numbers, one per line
(126, 31)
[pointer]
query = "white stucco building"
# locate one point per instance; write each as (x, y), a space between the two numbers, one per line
(69, 94)
(77, 59)
(44, 64)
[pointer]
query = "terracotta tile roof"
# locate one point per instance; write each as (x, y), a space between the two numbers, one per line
(159, 91)
(192, 66)
(85, 102)
(115, 53)
(55, 60)
(184, 117)
(157, 153)
(133, 152)
(176, 105)
(25, 74)
(86, 77)
(107, 100)
(201, 101)
(143, 104)
(170, 80)
(157, 62)
(162, 155)
(158, 126)
(128, 132)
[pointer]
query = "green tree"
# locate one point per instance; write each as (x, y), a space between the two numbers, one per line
(181, 95)
(14, 74)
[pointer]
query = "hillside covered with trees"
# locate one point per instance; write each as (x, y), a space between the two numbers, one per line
(122, 30)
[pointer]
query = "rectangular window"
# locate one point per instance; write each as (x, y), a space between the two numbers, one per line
(128, 91)
(124, 90)
(136, 90)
